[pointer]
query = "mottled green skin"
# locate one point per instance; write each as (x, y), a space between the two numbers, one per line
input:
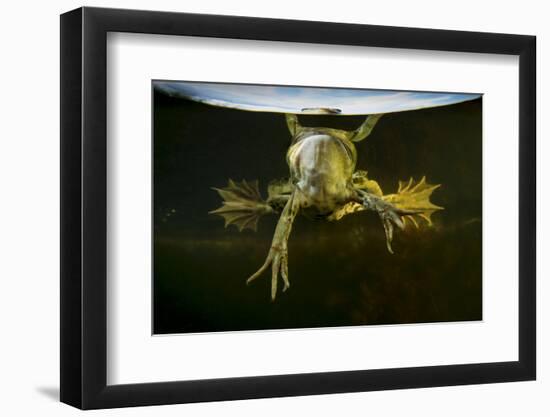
(321, 168)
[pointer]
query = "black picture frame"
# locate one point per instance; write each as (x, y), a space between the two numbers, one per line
(84, 207)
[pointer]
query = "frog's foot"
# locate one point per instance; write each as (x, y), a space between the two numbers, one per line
(389, 218)
(242, 204)
(413, 200)
(389, 214)
(278, 259)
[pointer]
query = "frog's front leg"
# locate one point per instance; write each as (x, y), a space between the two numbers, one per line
(389, 214)
(278, 253)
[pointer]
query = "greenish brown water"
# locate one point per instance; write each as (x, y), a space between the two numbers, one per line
(341, 273)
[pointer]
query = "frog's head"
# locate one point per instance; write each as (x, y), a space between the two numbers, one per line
(321, 110)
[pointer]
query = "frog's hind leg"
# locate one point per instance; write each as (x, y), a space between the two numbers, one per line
(278, 253)
(242, 205)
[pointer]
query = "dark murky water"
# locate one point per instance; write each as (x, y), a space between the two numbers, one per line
(341, 273)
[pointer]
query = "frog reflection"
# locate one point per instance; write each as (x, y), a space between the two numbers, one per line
(323, 180)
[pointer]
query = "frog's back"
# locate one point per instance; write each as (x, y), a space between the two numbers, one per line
(321, 166)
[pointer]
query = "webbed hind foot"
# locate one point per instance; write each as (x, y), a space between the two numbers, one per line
(242, 204)
(413, 199)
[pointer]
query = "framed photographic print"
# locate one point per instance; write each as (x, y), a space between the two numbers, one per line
(257, 208)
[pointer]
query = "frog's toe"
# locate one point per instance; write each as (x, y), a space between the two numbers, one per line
(284, 272)
(279, 266)
(274, 278)
(278, 259)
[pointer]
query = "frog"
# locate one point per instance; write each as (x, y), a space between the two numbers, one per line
(323, 180)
